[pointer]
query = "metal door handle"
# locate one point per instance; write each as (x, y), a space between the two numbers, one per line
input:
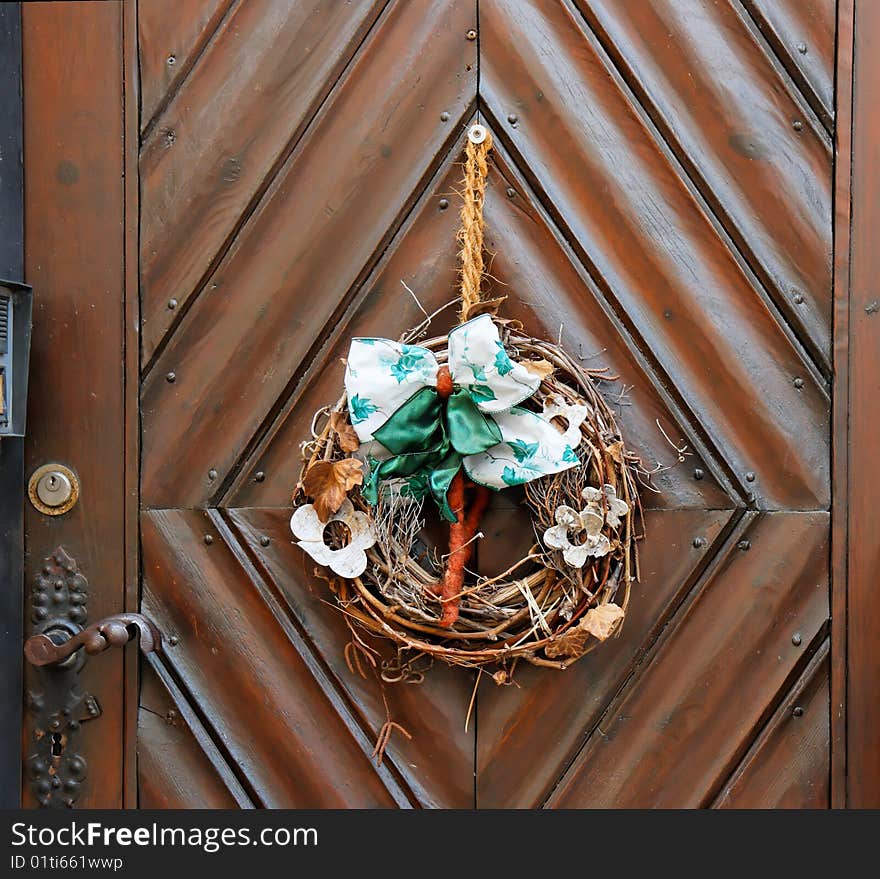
(55, 645)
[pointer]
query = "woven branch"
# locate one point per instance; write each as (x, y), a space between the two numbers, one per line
(520, 612)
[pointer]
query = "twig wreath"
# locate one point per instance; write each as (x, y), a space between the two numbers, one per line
(442, 424)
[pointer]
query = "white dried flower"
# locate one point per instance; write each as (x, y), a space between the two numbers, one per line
(349, 561)
(586, 527)
(574, 415)
(616, 507)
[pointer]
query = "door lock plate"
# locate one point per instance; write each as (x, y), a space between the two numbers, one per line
(53, 489)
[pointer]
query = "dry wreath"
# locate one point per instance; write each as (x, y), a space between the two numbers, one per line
(435, 428)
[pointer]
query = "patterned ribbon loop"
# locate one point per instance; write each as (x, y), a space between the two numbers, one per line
(425, 440)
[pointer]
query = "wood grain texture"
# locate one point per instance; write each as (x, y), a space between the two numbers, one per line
(726, 110)
(655, 252)
(438, 762)
(788, 766)
(542, 719)
(131, 389)
(863, 621)
(172, 34)
(678, 732)
(803, 32)
(248, 99)
(641, 210)
(173, 770)
(841, 398)
(287, 733)
(11, 448)
(546, 291)
(271, 297)
(74, 217)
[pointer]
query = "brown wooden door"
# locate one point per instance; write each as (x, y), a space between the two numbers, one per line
(661, 198)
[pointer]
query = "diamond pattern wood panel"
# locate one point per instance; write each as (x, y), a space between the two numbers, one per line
(660, 200)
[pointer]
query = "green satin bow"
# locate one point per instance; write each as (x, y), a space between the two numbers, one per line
(429, 437)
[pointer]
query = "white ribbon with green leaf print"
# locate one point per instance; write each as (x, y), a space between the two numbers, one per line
(482, 427)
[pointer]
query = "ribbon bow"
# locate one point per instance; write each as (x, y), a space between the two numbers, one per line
(425, 436)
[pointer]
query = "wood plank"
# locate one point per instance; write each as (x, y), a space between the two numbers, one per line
(246, 103)
(74, 216)
(788, 767)
(655, 252)
(545, 290)
(438, 762)
(530, 730)
(863, 619)
(724, 107)
(678, 732)
(257, 688)
(333, 205)
(131, 392)
(424, 257)
(173, 770)
(803, 32)
(11, 448)
(841, 398)
(172, 34)
(12, 173)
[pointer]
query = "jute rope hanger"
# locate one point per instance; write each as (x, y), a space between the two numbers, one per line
(463, 532)
(470, 235)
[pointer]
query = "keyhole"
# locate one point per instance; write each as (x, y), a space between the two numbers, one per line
(57, 744)
(53, 483)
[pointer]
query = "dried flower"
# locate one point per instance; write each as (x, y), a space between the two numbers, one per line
(616, 507)
(586, 527)
(350, 560)
(574, 415)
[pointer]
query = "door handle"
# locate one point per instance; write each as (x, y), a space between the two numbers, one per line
(58, 648)
(57, 644)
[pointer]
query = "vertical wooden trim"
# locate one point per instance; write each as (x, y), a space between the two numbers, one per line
(131, 402)
(840, 416)
(863, 550)
(11, 448)
(74, 247)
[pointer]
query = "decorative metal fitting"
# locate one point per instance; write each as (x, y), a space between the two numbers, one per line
(477, 133)
(58, 649)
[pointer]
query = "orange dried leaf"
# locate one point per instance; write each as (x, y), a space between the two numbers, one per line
(348, 439)
(541, 368)
(328, 482)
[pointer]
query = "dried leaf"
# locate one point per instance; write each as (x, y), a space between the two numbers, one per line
(541, 368)
(615, 452)
(348, 439)
(327, 483)
(600, 622)
(570, 644)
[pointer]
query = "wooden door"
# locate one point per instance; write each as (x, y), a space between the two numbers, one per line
(661, 199)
